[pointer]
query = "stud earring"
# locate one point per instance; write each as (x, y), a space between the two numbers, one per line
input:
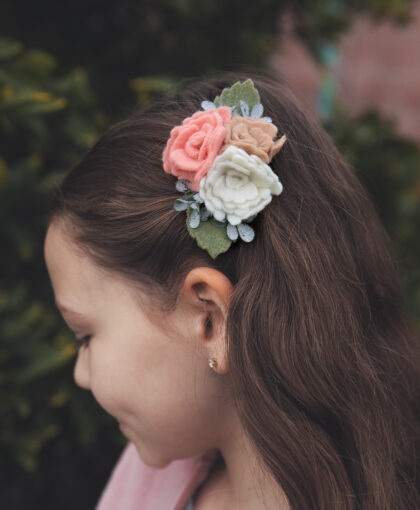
(213, 363)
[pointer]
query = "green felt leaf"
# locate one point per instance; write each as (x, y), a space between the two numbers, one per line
(210, 235)
(232, 96)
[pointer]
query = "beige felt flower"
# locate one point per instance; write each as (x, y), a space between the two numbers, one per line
(254, 136)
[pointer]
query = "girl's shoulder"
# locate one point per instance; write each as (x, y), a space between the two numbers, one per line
(133, 484)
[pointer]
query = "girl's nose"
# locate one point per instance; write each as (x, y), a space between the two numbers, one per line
(81, 369)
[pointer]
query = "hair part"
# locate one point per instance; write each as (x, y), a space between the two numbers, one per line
(323, 360)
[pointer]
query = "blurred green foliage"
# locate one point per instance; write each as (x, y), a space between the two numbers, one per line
(47, 121)
(118, 40)
(57, 445)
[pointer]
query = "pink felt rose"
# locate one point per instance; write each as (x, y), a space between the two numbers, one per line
(194, 145)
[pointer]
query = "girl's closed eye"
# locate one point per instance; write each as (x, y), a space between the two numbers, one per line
(82, 341)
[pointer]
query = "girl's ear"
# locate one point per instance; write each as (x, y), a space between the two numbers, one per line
(209, 292)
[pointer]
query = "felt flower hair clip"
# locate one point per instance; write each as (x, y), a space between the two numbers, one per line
(220, 155)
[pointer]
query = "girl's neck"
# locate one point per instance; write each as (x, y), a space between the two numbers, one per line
(215, 492)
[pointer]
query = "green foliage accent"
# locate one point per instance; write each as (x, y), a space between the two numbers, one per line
(232, 96)
(210, 235)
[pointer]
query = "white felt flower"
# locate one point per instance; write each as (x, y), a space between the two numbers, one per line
(238, 185)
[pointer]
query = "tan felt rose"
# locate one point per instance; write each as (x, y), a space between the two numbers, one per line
(254, 136)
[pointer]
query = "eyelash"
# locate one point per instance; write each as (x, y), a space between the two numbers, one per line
(82, 341)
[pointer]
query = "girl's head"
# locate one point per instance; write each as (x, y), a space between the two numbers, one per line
(316, 359)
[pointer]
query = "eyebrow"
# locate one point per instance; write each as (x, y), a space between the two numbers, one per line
(66, 309)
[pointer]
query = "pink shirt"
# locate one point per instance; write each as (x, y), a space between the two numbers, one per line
(133, 485)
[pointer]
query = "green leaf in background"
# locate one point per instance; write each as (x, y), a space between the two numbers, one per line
(148, 87)
(48, 360)
(9, 48)
(35, 64)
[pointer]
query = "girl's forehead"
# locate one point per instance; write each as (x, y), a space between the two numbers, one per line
(75, 281)
(58, 250)
(79, 285)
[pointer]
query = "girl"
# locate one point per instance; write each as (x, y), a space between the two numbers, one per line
(255, 356)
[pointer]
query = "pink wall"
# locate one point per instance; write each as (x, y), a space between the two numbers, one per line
(379, 66)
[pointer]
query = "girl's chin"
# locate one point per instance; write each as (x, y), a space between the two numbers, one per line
(124, 429)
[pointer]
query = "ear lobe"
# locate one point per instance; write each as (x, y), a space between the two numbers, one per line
(214, 334)
(210, 290)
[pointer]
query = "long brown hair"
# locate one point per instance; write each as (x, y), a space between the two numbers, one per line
(324, 361)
